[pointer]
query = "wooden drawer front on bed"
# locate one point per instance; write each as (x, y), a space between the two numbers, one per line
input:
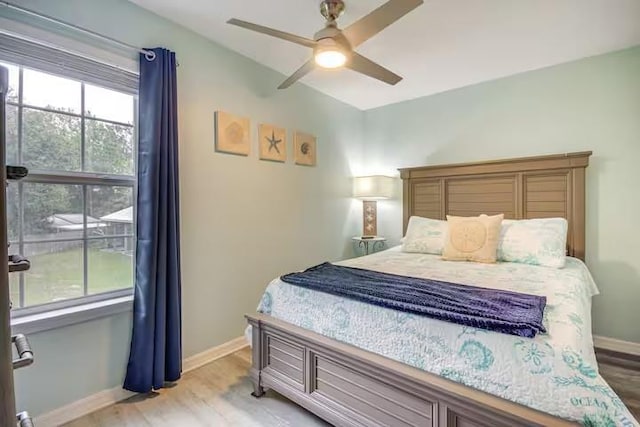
(368, 397)
(286, 358)
(453, 419)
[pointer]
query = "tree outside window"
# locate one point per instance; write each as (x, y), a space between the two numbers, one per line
(73, 216)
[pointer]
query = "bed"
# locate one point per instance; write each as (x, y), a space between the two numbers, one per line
(355, 364)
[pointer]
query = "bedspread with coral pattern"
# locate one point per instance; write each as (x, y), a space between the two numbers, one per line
(554, 372)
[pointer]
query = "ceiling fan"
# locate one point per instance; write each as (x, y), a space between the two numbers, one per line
(333, 47)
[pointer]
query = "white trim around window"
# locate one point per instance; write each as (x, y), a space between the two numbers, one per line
(63, 313)
(66, 316)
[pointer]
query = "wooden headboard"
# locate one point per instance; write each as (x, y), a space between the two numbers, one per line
(527, 187)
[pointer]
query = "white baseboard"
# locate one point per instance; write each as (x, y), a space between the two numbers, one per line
(82, 407)
(222, 350)
(612, 344)
(105, 398)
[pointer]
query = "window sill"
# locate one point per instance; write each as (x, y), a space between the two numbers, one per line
(55, 319)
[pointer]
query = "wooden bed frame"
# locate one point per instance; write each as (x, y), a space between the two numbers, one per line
(348, 386)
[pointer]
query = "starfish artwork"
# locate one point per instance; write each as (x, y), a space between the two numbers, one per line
(273, 142)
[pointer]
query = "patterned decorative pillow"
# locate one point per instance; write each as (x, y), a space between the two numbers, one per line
(534, 241)
(425, 235)
(472, 238)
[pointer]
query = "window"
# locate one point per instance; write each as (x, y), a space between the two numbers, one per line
(73, 215)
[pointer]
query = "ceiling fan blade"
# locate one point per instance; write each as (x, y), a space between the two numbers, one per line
(300, 73)
(365, 66)
(370, 25)
(273, 33)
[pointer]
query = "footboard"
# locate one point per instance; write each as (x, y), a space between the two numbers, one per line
(348, 386)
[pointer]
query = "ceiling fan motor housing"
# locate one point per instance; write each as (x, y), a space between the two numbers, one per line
(331, 34)
(331, 9)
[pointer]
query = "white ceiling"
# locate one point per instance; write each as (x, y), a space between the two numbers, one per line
(442, 45)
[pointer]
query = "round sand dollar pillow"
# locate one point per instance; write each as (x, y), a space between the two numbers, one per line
(469, 236)
(472, 238)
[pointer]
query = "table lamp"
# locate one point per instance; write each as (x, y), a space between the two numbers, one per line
(370, 189)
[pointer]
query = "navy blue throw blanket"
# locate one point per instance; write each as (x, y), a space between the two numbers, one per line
(499, 311)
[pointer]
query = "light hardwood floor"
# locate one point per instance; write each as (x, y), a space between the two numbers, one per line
(623, 375)
(218, 394)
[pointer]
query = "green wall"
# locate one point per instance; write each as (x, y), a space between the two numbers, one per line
(244, 221)
(591, 104)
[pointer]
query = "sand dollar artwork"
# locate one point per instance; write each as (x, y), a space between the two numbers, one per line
(232, 134)
(469, 236)
(305, 149)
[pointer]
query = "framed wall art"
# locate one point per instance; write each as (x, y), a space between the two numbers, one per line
(232, 134)
(305, 149)
(272, 143)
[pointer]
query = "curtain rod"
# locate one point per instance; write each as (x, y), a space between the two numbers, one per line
(150, 55)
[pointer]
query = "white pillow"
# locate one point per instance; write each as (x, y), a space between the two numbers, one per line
(534, 241)
(425, 236)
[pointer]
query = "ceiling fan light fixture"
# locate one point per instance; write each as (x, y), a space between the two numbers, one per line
(330, 58)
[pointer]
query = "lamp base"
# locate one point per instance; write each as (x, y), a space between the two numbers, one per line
(369, 219)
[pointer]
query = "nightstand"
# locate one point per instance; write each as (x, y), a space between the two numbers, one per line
(370, 245)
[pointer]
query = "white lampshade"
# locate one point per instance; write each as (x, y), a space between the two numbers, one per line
(376, 187)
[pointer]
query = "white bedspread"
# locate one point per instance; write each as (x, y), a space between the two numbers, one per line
(554, 372)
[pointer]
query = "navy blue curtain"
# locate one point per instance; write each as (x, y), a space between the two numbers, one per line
(156, 343)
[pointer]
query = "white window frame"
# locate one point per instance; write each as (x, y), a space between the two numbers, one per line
(62, 313)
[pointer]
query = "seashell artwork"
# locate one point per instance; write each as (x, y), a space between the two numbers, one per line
(304, 149)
